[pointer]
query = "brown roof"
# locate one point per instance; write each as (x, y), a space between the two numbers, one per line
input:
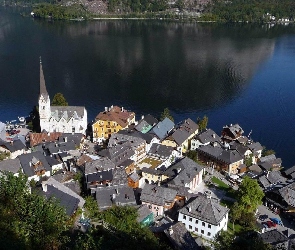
(116, 114)
(37, 138)
(83, 159)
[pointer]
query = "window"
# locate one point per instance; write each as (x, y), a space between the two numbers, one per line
(202, 231)
(190, 227)
(203, 224)
(197, 221)
(190, 219)
(209, 226)
(196, 229)
(95, 129)
(208, 234)
(184, 217)
(101, 135)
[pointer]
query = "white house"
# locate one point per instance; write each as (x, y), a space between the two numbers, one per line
(204, 217)
(65, 119)
(204, 138)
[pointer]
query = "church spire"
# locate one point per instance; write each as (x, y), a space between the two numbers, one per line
(43, 90)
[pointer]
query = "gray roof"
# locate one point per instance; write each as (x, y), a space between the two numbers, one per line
(163, 128)
(108, 196)
(180, 238)
(76, 138)
(289, 170)
(207, 136)
(52, 182)
(99, 165)
(150, 119)
(54, 148)
(273, 177)
(67, 112)
(132, 134)
(184, 130)
(183, 171)
(256, 146)
(235, 129)
(10, 165)
(119, 176)
(255, 168)
(134, 177)
(26, 159)
(288, 194)
(143, 212)
(265, 165)
(124, 136)
(67, 201)
(53, 160)
(119, 153)
(273, 237)
(227, 156)
(160, 150)
(205, 209)
(157, 195)
(268, 158)
(13, 146)
(238, 147)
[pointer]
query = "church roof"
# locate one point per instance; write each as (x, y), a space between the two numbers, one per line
(43, 90)
(67, 112)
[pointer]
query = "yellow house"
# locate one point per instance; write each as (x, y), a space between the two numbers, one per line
(111, 121)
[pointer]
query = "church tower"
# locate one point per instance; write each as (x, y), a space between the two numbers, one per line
(44, 102)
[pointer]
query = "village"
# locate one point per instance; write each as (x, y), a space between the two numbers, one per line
(180, 177)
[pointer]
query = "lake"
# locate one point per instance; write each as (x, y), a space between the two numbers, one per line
(233, 73)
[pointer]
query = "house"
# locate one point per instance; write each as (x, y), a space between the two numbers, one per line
(204, 216)
(40, 138)
(55, 163)
(162, 129)
(52, 182)
(185, 172)
(182, 134)
(289, 173)
(270, 179)
(241, 149)
(67, 201)
(153, 176)
(14, 148)
(255, 169)
(145, 216)
(58, 147)
(276, 239)
(2, 131)
(115, 195)
(146, 123)
(220, 158)
(204, 138)
(158, 199)
(180, 237)
(34, 165)
(111, 121)
(270, 162)
(231, 132)
(11, 165)
(137, 143)
(65, 119)
(119, 153)
(133, 180)
(256, 150)
(76, 138)
(98, 173)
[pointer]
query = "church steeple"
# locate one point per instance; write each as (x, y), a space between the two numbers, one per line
(43, 90)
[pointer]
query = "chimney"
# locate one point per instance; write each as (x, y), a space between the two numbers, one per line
(106, 109)
(159, 183)
(44, 186)
(66, 139)
(122, 109)
(170, 230)
(189, 209)
(112, 106)
(116, 190)
(213, 135)
(142, 117)
(114, 196)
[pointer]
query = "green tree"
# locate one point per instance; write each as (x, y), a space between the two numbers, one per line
(166, 113)
(235, 213)
(249, 195)
(91, 208)
(266, 152)
(27, 218)
(223, 240)
(59, 100)
(202, 122)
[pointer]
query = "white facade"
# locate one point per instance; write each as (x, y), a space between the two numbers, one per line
(65, 119)
(202, 228)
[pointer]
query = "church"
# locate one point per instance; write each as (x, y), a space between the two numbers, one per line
(65, 119)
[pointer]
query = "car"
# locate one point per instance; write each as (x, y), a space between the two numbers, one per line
(263, 217)
(269, 223)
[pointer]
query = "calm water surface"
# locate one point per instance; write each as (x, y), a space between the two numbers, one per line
(233, 73)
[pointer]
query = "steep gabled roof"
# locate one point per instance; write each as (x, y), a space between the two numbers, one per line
(208, 136)
(162, 129)
(157, 195)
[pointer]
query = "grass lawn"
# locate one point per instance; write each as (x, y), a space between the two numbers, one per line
(153, 163)
(238, 228)
(220, 183)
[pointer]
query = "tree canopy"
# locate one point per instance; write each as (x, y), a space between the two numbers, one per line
(249, 195)
(28, 220)
(166, 113)
(59, 100)
(202, 122)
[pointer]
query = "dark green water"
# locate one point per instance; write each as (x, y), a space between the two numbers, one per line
(233, 73)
